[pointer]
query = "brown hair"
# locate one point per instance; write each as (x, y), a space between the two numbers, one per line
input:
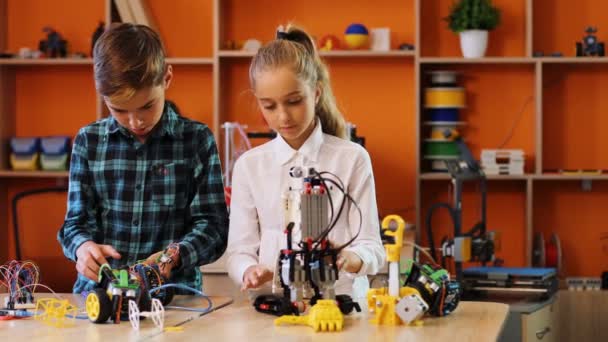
(296, 49)
(127, 58)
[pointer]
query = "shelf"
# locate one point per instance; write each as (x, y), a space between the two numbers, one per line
(235, 53)
(548, 176)
(33, 174)
(573, 60)
(46, 61)
(336, 53)
(484, 60)
(446, 176)
(556, 176)
(367, 53)
(190, 60)
(89, 61)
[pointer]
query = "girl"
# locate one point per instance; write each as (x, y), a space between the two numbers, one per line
(292, 88)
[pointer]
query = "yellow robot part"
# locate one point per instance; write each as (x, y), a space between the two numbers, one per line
(383, 307)
(323, 316)
(54, 312)
(393, 250)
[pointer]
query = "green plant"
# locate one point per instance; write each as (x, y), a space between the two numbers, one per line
(473, 15)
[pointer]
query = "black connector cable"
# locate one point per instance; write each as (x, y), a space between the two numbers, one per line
(429, 228)
(333, 223)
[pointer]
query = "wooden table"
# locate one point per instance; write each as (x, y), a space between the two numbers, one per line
(472, 321)
(29, 329)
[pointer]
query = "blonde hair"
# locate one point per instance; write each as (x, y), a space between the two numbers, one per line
(296, 49)
(127, 58)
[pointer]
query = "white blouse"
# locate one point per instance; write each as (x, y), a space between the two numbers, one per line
(261, 178)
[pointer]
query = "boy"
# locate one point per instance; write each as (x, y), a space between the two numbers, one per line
(144, 178)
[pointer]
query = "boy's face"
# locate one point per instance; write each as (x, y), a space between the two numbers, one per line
(142, 112)
(287, 103)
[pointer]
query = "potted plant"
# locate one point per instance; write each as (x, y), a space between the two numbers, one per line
(472, 19)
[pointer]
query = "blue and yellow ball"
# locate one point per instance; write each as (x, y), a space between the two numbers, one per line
(356, 36)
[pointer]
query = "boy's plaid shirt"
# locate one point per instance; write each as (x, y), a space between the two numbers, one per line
(139, 198)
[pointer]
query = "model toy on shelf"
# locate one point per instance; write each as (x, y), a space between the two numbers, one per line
(406, 47)
(356, 36)
(427, 288)
(589, 46)
(54, 46)
(329, 43)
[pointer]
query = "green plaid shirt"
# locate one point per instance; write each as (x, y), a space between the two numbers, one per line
(139, 198)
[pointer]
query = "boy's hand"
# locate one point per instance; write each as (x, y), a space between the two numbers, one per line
(349, 262)
(255, 276)
(89, 256)
(165, 268)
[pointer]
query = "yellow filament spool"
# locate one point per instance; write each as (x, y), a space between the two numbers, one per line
(444, 98)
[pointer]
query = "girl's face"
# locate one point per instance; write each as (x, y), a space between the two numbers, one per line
(287, 103)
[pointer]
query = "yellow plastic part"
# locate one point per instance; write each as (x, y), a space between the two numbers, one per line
(25, 163)
(174, 329)
(444, 98)
(53, 312)
(393, 251)
(323, 316)
(383, 306)
(92, 306)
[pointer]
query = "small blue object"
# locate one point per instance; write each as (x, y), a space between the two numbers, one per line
(444, 114)
(511, 271)
(25, 146)
(356, 29)
(55, 146)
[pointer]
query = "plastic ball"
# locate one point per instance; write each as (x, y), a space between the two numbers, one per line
(356, 36)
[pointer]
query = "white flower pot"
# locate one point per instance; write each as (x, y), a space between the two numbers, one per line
(473, 43)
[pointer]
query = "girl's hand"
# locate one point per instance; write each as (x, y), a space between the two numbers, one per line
(256, 276)
(349, 262)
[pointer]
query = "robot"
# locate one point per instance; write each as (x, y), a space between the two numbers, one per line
(116, 288)
(310, 265)
(590, 46)
(427, 288)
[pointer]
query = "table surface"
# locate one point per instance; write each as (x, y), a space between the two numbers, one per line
(471, 321)
(30, 329)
